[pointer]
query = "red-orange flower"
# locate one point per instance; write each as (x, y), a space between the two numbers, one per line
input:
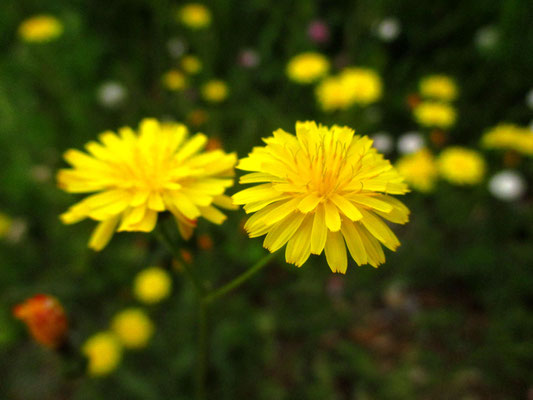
(45, 318)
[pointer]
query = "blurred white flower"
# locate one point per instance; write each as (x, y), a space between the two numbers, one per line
(507, 185)
(388, 29)
(529, 98)
(176, 47)
(486, 38)
(111, 94)
(41, 173)
(383, 142)
(410, 142)
(17, 231)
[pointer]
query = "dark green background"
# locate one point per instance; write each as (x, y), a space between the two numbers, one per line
(447, 317)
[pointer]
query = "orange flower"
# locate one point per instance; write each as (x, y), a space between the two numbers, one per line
(45, 318)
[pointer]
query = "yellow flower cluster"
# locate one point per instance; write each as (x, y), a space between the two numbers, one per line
(307, 67)
(511, 137)
(461, 166)
(40, 28)
(438, 87)
(353, 85)
(194, 16)
(324, 189)
(419, 170)
(137, 175)
(435, 115)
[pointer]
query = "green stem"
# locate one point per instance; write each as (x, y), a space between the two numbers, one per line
(239, 280)
(201, 362)
(164, 238)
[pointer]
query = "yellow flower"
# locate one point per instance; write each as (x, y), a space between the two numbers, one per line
(195, 16)
(104, 353)
(152, 285)
(419, 170)
(215, 91)
(138, 175)
(352, 86)
(5, 224)
(174, 80)
(321, 189)
(40, 28)
(362, 85)
(191, 64)
(133, 328)
(307, 67)
(509, 136)
(433, 114)
(461, 166)
(438, 87)
(331, 95)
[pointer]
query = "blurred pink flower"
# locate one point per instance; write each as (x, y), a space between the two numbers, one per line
(318, 31)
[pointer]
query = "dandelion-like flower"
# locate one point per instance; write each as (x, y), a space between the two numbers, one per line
(138, 175)
(215, 91)
(152, 285)
(434, 114)
(324, 189)
(191, 64)
(509, 136)
(461, 166)
(438, 87)
(419, 170)
(104, 353)
(133, 328)
(195, 16)
(174, 80)
(307, 67)
(40, 28)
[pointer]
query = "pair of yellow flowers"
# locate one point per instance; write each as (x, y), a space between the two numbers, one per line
(323, 189)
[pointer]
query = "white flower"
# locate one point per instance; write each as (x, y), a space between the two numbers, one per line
(111, 94)
(383, 142)
(486, 38)
(410, 142)
(176, 47)
(388, 29)
(507, 185)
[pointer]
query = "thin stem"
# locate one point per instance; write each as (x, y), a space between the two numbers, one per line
(202, 352)
(239, 280)
(164, 238)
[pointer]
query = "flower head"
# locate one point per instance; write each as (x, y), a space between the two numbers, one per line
(434, 114)
(321, 189)
(507, 185)
(215, 91)
(353, 85)
(191, 64)
(40, 28)
(133, 328)
(195, 16)
(137, 175)
(45, 319)
(419, 170)
(307, 67)
(461, 166)
(438, 87)
(152, 285)
(174, 80)
(509, 136)
(104, 353)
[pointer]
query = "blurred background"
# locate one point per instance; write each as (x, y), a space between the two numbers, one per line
(448, 316)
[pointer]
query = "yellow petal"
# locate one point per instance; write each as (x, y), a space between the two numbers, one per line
(320, 231)
(354, 242)
(103, 233)
(212, 214)
(281, 232)
(309, 203)
(347, 208)
(333, 219)
(298, 248)
(335, 250)
(379, 230)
